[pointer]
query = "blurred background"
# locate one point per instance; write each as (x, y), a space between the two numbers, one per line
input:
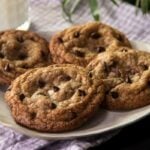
(130, 16)
(49, 15)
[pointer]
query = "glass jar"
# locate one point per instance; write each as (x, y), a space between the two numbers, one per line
(14, 14)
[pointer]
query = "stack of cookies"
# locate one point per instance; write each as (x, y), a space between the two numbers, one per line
(58, 86)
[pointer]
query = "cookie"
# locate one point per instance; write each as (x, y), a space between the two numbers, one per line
(126, 75)
(19, 52)
(80, 44)
(54, 99)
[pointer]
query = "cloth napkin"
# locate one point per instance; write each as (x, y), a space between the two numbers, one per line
(46, 18)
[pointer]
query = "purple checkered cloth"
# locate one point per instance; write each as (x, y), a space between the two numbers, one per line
(46, 17)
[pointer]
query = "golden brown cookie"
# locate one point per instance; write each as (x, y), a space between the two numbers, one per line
(126, 75)
(80, 44)
(54, 99)
(19, 52)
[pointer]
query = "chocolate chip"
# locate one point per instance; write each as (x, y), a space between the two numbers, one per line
(20, 39)
(114, 94)
(21, 97)
(95, 35)
(52, 105)
(7, 67)
(43, 54)
(111, 67)
(74, 115)
(90, 74)
(32, 115)
(2, 32)
(22, 56)
(76, 34)
(106, 69)
(60, 40)
(81, 93)
(55, 88)
(79, 53)
(1, 55)
(120, 38)
(128, 80)
(65, 77)
(124, 50)
(41, 83)
(33, 38)
(148, 83)
(25, 66)
(113, 64)
(100, 49)
(145, 67)
(107, 92)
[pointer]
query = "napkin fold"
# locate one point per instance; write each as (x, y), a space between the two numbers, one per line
(11, 140)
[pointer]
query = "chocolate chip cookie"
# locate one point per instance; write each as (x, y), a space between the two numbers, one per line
(126, 75)
(81, 43)
(20, 51)
(54, 99)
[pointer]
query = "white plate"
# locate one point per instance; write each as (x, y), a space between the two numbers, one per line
(102, 122)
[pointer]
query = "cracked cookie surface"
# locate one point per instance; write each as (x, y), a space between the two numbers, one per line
(20, 51)
(54, 99)
(126, 75)
(80, 44)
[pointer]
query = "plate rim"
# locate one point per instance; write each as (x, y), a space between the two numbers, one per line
(63, 136)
